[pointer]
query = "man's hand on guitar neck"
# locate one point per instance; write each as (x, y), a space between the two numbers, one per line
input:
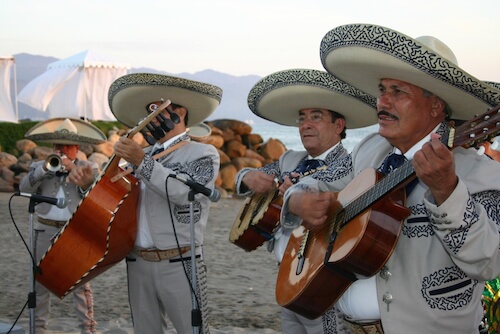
(312, 207)
(129, 150)
(434, 166)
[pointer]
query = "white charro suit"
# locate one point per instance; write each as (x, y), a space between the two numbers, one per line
(435, 276)
(160, 289)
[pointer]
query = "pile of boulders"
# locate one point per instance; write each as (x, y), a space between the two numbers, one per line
(237, 145)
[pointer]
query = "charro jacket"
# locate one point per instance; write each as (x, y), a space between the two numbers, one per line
(46, 183)
(165, 199)
(434, 279)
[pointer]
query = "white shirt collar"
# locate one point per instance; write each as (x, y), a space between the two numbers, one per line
(323, 155)
(167, 142)
(411, 152)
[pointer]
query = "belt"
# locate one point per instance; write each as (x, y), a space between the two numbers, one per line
(369, 327)
(54, 223)
(155, 255)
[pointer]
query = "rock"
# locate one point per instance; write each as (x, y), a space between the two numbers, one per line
(235, 149)
(81, 156)
(239, 127)
(105, 148)
(243, 162)
(42, 152)
(254, 155)
(224, 159)
(99, 158)
(215, 140)
(88, 149)
(7, 160)
(25, 145)
(228, 174)
(252, 140)
(113, 137)
(272, 149)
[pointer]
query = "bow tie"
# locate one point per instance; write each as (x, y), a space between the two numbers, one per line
(308, 164)
(392, 162)
(157, 150)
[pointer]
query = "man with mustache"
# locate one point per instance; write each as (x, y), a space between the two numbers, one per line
(321, 106)
(448, 246)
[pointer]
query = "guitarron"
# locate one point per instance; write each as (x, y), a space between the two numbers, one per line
(101, 231)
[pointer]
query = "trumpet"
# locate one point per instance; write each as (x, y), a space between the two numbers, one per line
(53, 163)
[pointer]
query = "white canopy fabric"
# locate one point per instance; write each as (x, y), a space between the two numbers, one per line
(75, 87)
(7, 111)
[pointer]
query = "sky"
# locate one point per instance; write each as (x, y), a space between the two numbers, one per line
(239, 37)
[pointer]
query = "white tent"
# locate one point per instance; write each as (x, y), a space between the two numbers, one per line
(8, 110)
(75, 87)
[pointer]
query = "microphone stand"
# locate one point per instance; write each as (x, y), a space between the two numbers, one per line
(32, 292)
(195, 312)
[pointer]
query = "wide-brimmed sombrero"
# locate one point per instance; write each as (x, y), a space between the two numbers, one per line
(66, 131)
(362, 54)
(130, 95)
(280, 96)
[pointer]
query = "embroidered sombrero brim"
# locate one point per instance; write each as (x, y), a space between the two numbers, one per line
(280, 96)
(66, 131)
(362, 54)
(494, 84)
(130, 95)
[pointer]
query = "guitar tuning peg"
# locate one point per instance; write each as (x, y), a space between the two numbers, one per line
(481, 150)
(495, 144)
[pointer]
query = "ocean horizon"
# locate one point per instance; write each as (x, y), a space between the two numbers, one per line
(289, 135)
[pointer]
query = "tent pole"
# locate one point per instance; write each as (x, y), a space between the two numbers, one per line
(15, 91)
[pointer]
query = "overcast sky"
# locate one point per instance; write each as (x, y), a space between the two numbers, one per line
(239, 37)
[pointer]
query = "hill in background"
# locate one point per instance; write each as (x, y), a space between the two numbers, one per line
(234, 97)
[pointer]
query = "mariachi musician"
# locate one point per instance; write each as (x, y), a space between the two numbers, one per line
(159, 272)
(433, 279)
(63, 174)
(322, 107)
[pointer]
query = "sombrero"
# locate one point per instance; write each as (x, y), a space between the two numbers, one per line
(130, 95)
(66, 131)
(280, 96)
(362, 54)
(199, 132)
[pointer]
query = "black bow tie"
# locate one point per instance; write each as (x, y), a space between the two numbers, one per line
(308, 164)
(158, 150)
(392, 162)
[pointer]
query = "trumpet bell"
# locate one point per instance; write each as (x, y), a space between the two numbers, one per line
(53, 163)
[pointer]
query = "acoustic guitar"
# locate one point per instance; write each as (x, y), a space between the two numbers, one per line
(101, 231)
(259, 217)
(361, 233)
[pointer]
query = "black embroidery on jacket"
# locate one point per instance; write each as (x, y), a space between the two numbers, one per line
(448, 289)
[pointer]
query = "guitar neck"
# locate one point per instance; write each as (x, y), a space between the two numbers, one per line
(470, 134)
(401, 175)
(113, 162)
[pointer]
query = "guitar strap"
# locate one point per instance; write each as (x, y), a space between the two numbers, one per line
(129, 170)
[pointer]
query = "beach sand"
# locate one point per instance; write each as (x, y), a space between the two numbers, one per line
(241, 284)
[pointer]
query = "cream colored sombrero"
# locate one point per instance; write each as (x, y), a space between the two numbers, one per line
(280, 96)
(130, 95)
(66, 131)
(362, 54)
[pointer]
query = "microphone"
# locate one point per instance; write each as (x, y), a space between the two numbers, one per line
(59, 202)
(212, 194)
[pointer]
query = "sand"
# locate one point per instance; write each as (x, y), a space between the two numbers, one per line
(241, 284)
